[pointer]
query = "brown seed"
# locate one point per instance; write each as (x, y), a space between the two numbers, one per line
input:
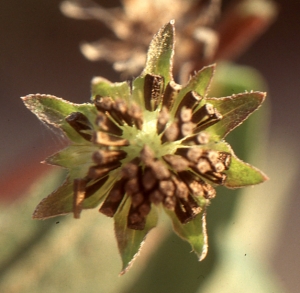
(218, 167)
(225, 158)
(196, 188)
(204, 114)
(162, 120)
(109, 208)
(171, 92)
(113, 199)
(181, 190)
(116, 195)
(212, 156)
(80, 123)
(147, 155)
(160, 171)
(134, 220)
(178, 163)
(215, 177)
(153, 88)
(78, 196)
(94, 185)
(96, 172)
(109, 140)
(121, 110)
(130, 170)
(203, 166)
(132, 186)
(202, 138)
(108, 125)
(167, 187)
(144, 209)
(148, 180)
(137, 115)
(194, 154)
(156, 197)
(137, 199)
(209, 191)
(181, 213)
(186, 129)
(185, 115)
(103, 103)
(171, 133)
(104, 157)
(170, 202)
(190, 100)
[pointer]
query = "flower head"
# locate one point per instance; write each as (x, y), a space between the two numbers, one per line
(153, 145)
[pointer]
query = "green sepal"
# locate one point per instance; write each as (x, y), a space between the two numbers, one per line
(193, 232)
(130, 241)
(160, 53)
(53, 111)
(59, 202)
(105, 88)
(234, 109)
(199, 83)
(239, 174)
(73, 156)
(159, 61)
(138, 91)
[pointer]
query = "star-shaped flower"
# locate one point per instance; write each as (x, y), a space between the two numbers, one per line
(155, 145)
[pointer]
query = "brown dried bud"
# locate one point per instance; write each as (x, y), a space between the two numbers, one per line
(96, 172)
(171, 91)
(78, 197)
(190, 100)
(156, 197)
(147, 155)
(104, 157)
(148, 180)
(107, 125)
(130, 170)
(159, 170)
(162, 120)
(171, 133)
(80, 124)
(109, 140)
(153, 88)
(167, 187)
(178, 163)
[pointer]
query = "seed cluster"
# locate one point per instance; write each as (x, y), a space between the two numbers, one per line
(177, 180)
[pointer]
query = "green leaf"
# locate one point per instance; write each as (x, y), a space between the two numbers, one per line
(73, 156)
(235, 110)
(199, 83)
(53, 111)
(129, 240)
(240, 174)
(105, 88)
(193, 232)
(59, 202)
(160, 53)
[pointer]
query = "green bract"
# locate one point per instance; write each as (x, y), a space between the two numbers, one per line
(155, 145)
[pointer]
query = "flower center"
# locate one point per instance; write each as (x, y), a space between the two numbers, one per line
(146, 136)
(156, 154)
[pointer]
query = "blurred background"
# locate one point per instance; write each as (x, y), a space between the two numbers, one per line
(39, 53)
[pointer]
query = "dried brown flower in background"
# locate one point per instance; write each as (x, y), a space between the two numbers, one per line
(203, 35)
